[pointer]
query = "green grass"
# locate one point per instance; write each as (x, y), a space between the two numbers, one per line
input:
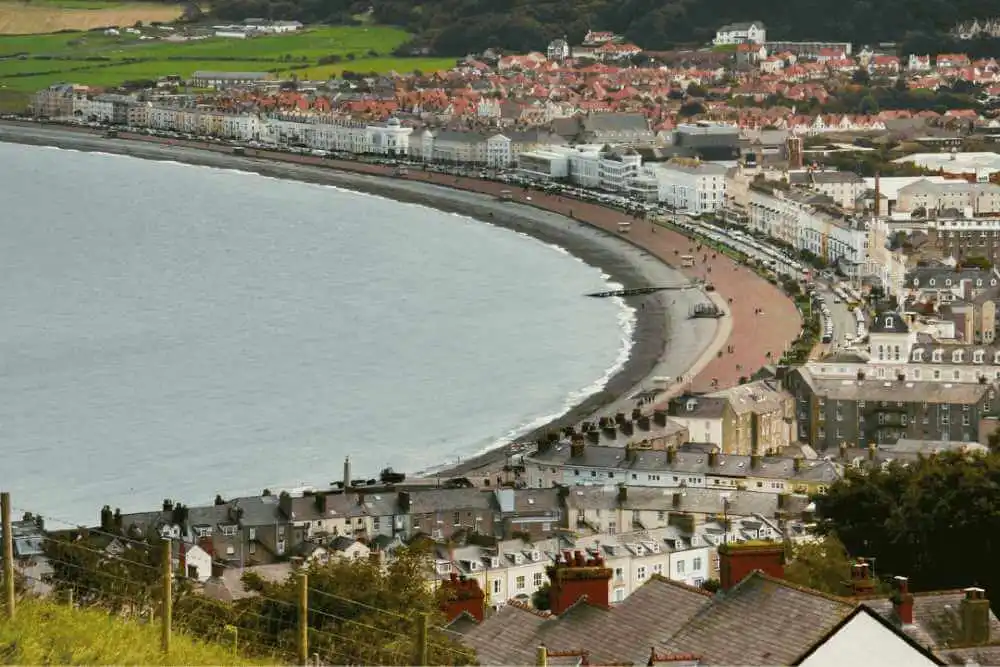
(380, 65)
(66, 52)
(44, 633)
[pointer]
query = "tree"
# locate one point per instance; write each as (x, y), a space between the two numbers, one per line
(120, 574)
(913, 519)
(359, 613)
(861, 77)
(540, 598)
(823, 565)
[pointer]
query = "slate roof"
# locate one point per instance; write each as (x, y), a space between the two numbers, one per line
(889, 322)
(761, 621)
(936, 621)
(622, 634)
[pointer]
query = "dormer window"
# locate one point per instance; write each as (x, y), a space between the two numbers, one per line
(918, 355)
(937, 356)
(977, 357)
(888, 322)
(931, 282)
(956, 357)
(947, 282)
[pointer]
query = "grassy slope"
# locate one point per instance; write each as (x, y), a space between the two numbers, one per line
(47, 633)
(59, 57)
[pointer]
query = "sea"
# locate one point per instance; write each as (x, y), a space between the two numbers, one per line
(173, 331)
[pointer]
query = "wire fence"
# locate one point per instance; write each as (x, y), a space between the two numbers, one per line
(335, 613)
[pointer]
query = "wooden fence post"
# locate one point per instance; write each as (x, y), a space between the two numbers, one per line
(420, 645)
(304, 619)
(167, 607)
(8, 554)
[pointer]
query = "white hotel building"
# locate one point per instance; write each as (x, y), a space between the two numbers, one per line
(689, 185)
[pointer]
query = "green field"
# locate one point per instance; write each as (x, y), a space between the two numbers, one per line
(44, 633)
(31, 62)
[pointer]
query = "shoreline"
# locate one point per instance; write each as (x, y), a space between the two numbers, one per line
(624, 260)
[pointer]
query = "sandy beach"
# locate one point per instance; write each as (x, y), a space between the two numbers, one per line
(708, 353)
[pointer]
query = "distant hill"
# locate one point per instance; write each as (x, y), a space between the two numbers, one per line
(458, 27)
(46, 633)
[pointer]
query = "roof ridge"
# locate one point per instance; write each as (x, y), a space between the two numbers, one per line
(679, 584)
(799, 588)
(517, 604)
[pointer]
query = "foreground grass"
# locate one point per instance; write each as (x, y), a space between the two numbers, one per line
(31, 62)
(44, 633)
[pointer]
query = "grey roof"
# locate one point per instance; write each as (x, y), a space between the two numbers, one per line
(810, 177)
(615, 122)
(761, 621)
(624, 633)
(691, 500)
(889, 322)
(921, 277)
(433, 501)
(744, 25)
(231, 76)
(894, 391)
(936, 621)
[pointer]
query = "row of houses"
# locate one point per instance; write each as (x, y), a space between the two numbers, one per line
(756, 618)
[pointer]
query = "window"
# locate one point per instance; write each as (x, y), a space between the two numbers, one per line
(519, 582)
(680, 567)
(956, 357)
(640, 572)
(457, 518)
(253, 548)
(696, 564)
(252, 534)
(619, 573)
(496, 587)
(538, 580)
(658, 569)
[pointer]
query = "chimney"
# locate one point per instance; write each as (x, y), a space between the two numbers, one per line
(677, 500)
(461, 595)
(671, 454)
(622, 493)
(321, 503)
(644, 422)
(347, 472)
(575, 577)
(636, 414)
(660, 417)
(576, 447)
(594, 437)
(797, 463)
(610, 432)
(975, 617)
(872, 451)
(902, 601)
(737, 561)
(861, 577)
(620, 418)
(628, 428)
(754, 461)
(843, 451)
(404, 502)
(713, 459)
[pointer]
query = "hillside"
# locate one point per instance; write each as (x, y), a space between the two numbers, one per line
(44, 633)
(457, 27)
